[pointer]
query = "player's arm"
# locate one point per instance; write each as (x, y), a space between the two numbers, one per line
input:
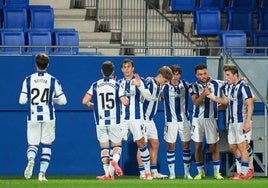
(86, 100)
(140, 85)
(60, 100)
(124, 100)
(145, 93)
(59, 97)
(250, 107)
(222, 100)
(222, 107)
(23, 95)
(199, 99)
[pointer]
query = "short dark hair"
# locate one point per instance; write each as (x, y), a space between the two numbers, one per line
(231, 67)
(107, 68)
(176, 68)
(200, 67)
(42, 61)
(127, 61)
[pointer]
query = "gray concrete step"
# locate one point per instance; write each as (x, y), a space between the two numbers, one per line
(79, 25)
(79, 14)
(99, 36)
(88, 47)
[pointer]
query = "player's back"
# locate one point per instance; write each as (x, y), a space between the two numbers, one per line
(40, 87)
(106, 102)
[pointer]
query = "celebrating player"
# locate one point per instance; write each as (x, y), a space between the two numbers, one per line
(239, 98)
(132, 115)
(155, 85)
(40, 90)
(103, 96)
(176, 97)
(204, 119)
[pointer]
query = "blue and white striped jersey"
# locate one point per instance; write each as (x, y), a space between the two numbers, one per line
(176, 100)
(135, 108)
(150, 107)
(208, 109)
(41, 90)
(237, 94)
(105, 96)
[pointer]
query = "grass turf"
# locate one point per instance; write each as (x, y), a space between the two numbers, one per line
(129, 182)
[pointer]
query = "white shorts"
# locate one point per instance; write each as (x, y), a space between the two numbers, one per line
(136, 127)
(150, 129)
(43, 132)
(172, 129)
(109, 133)
(205, 128)
(236, 135)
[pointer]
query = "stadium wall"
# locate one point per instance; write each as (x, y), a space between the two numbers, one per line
(76, 150)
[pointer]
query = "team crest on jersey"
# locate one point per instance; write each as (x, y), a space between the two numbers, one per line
(178, 94)
(231, 98)
(190, 89)
(128, 92)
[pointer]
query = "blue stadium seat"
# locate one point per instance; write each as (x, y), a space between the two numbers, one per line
(207, 22)
(15, 17)
(262, 19)
(68, 38)
(41, 39)
(41, 17)
(260, 39)
(264, 4)
(182, 6)
(250, 5)
(240, 20)
(1, 17)
(14, 38)
(229, 39)
(21, 3)
(218, 4)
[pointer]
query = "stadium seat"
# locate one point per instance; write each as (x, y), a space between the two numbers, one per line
(68, 39)
(21, 3)
(240, 20)
(1, 17)
(207, 22)
(250, 5)
(41, 39)
(15, 17)
(14, 38)
(262, 19)
(229, 39)
(218, 4)
(182, 6)
(260, 39)
(264, 4)
(41, 17)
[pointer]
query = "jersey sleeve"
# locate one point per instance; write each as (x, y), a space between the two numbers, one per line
(59, 96)
(121, 91)
(145, 91)
(246, 92)
(23, 99)
(90, 90)
(192, 89)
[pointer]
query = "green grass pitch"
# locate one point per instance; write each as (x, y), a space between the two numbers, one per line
(129, 182)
